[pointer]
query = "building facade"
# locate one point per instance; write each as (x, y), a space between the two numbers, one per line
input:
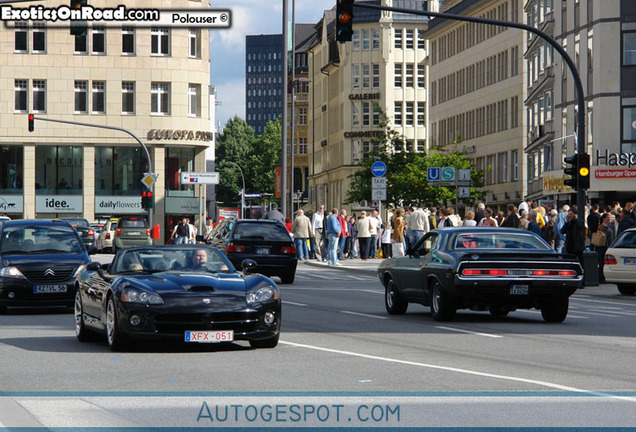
(154, 82)
(383, 69)
(263, 80)
(477, 88)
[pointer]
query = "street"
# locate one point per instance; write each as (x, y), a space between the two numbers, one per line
(338, 348)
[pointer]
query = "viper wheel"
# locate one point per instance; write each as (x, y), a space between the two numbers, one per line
(117, 341)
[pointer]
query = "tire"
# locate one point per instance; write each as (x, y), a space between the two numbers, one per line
(394, 303)
(556, 310)
(626, 289)
(81, 332)
(442, 307)
(287, 278)
(498, 311)
(117, 341)
(265, 343)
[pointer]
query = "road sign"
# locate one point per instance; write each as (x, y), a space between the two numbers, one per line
(378, 194)
(149, 180)
(463, 192)
(375, 204)
(378, 182)
(199, 178)
(378, 168)
(464, 175)
(254, 195)
(432, 174)
(448, 174)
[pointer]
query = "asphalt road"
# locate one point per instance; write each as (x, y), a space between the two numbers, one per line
(342, 361)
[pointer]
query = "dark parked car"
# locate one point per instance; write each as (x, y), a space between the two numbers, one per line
(265, 241)
(84, 229)
(494, 269)
(188, 293)
(132, 231)
(39, 263)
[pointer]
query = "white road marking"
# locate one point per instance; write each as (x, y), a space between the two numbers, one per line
(606, 302)
(469, 332)
(364, 315)
(460, 370)
(538, 312)
(294, 303)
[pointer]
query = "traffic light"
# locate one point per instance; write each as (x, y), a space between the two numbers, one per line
(147, 202)
(344, 20)
(572, 171)
(78, 27)
(31, 122)
(583, 165)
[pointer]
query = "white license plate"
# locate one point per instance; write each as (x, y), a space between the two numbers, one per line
(262, 251)
(209, 336)
(519, 289)
(49, 289)
(630, 261)
(133, 233)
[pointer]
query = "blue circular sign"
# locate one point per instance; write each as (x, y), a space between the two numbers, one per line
(378, 169)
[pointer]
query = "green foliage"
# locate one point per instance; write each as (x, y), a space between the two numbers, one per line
(406, 171)
(257, 156)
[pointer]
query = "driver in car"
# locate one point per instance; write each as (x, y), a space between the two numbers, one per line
(199, 259)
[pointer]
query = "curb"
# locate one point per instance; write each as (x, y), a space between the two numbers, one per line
(350, 269)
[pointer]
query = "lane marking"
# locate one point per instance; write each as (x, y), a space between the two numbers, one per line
(538, 312)
(364, 315)
(599, 314)
(606, 302)
(461, 370)
(469, 332)
(294, 303)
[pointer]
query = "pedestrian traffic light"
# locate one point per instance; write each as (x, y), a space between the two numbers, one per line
(31, 122)
(572, 171)
(583, 165)
(78, 27)
(147, 202)
(344, 20)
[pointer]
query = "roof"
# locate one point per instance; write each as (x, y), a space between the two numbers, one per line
(305, 35)
(455, 10)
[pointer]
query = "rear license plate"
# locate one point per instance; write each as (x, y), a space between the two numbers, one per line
(514, 272)
(133, 233)
(519, 289)
(49, 289)
(262, 251)
(631, 261)
(209, 336)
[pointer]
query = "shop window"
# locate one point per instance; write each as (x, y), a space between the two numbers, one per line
(118, 170)
(59, 170)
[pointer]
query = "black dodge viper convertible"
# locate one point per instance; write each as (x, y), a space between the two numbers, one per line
(188, 293)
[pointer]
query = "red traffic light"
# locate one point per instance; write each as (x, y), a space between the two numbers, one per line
(31, 122)
(344, 18)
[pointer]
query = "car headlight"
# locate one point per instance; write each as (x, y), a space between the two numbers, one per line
(11, 272)
(261, 295)
(133, 295)
(79, 270)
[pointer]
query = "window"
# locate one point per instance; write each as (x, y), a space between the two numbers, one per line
(514, 154)
(99, 40)
(302, 116)
(128, 40)
(375, 75)
(302, 146)
(629, 49)
(160, 98)
(502, 167)
(421, 113)
(366, 114)
(355, 40)
(128, 97)
(629, 124)
(398, 75)
(366, 40)
(409, 114)
(21, 89)
(116, 166)
(366, 75)
(355, 117)
(39, 37)
(194, 97)
(193, 43)
(409, 74)
(421, 41)
(160, 41)
(99, 97)
(421, 76)
(39, 95)
(81, 97)
(397, 42)
(409, 38)
(59, 169)
(355, 76)
(375, 39)
(81, 45)
(397, 113)
(21, 37)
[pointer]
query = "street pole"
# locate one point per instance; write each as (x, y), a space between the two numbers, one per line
(578, 85)
(242, 190)
(293, 107)
(283, 158)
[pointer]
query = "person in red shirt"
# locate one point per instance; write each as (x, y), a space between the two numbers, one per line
(344, 233)
(288, 224)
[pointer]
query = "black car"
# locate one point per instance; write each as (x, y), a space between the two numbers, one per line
(494, 269)
(188, 293)
(265, 241)
(39, 263)
(84, 229)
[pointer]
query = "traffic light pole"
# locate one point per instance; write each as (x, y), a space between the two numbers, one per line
(581, 144)
(148, 160)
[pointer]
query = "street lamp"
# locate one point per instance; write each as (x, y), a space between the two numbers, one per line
(242, 190)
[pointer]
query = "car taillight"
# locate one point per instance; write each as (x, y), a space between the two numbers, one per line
(107, 236)
(484, 272)
(231, 247)
(118, 231)
(610, 260)
(517, 272)
(91, 233)
(288, 250)
(148, 232)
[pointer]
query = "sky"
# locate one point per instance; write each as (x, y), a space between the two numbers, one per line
(227, 51)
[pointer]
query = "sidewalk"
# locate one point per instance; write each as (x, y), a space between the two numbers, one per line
(355, 265)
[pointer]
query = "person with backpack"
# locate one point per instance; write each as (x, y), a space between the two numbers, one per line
(603, 243)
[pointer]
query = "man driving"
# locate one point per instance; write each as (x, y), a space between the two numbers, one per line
(199, 259)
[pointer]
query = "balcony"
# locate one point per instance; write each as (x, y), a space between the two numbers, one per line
(540, 135)
(301, 98)
(544, 80)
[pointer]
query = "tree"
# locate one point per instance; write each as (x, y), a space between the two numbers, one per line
(235, 144)
(406, 171)
(265, 156)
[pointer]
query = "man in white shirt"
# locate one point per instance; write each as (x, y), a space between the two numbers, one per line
(418, 224)
(525, 205)
(375, 231)
(317, 227)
